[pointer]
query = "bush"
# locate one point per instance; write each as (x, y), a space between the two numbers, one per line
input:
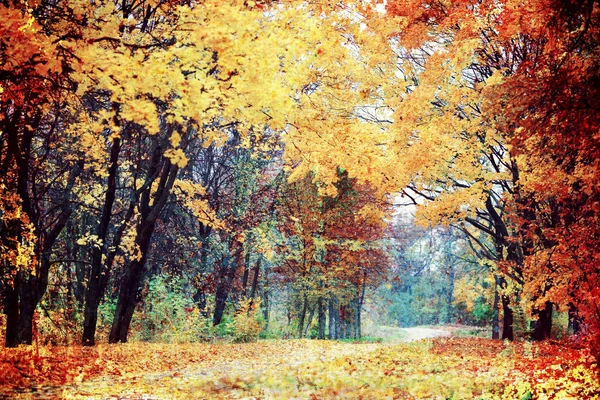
(226, 328)
(56, 327)
(169, 315)
(247, 321)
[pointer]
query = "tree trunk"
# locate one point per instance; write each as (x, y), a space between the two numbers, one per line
(200, 296)
(450, 315)
(131, 280)
(28, 300)
(127, 300)
(226, 277)
(265, 306)
(334, 318)
(255, 278)
(222, 292)
(8, 230)
(302, 316)
(32, 286)
(508, 319)
(311, 315)
(11, 308)
(343, 322)
(495, 311)
(543, 326)
(94, 291)
(246, 273)
(361, 300)
(574, 320)
(321, 318)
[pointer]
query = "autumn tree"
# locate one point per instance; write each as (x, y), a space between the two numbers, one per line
(333, 252)
(39, 163)
(531, 59)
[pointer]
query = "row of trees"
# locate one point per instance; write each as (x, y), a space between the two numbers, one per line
(504, 96)
(140, 137)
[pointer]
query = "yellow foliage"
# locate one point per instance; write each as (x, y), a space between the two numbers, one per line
(247, 326)
(177, 157)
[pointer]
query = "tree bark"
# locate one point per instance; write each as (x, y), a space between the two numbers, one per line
(32, 286)
(311, 315)
(94, 291)
(229, 265)
(495, 311)
(246, 274)
(266, 307)
(302, 317)
(543, 326)
(574, 320)
(508, 319)
(11, 309)
(255, 278)
(321, 318)
(129, 290)
(28, 300)
(334, 318)
(222, 293)
(131, 279)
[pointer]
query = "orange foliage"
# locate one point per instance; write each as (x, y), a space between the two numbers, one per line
(532, 71)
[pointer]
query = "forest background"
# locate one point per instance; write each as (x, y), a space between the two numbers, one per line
(180, 171)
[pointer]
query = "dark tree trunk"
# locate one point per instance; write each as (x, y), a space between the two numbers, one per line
(229, 265)
(360, 301)
(129, 293)
(508, 319)
(495, 311)
(131, 280)
(31, 287)
(357, 323)
(543, 326)
(246, 274)
(302, 317)
(334, 318)
(28, 287)
(265, 306)
(575, 320)
(255, 278)
(222, 292)
(450, 315)
(94, 290)
(11, 308)
(10, 286)
(321, 318)
(27, 304)
(79, 283)
(343, 323)
(77, 269)
(120, 332)
(90, 318)
(311, 315)
(201, 289)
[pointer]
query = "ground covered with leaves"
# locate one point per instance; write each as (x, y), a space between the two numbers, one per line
(455, 368)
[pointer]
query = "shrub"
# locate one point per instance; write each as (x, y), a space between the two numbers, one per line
(247, 321)
(167, 314)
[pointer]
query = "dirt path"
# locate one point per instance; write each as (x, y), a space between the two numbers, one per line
(394, 334)
(418, 333)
